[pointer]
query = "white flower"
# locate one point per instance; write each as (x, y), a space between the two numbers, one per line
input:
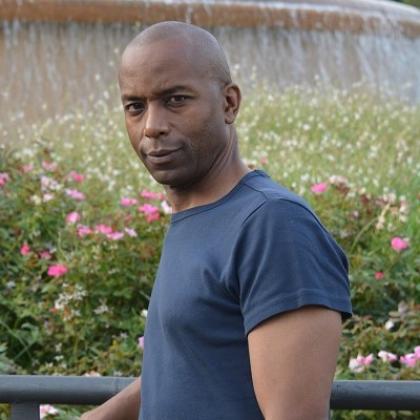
(101, 309)
(92, 373)
(167, 209)
(359, 363)
(47, 409)
(48, 183)
(386, 356)
(389, 325)
(355, 366)
(130, 232)
(47, 197)
(36, 200)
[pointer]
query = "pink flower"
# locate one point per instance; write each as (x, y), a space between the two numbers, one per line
(127, 202)
(49, 166)
(115, 236)
(104, 229)
(386, 356)
(398, 244)
(368, 359)
(319, 188)
(130, 232)
(417, 352)
(76, 177)
(47, 197)
(75, 195)
(4, 178)
(27, 168)
(151, 212)
(379, 275)
(72, 217)
(45, 255)
(48, 183)
(151, 217)
(83, 231)
(409, 359)
(57, 270)
(141, 342)
(25, 249)
(263, 160)
(150, 195)
(47, 409)
(148, 208)
(360, 362)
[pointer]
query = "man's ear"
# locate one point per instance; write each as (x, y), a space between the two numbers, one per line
(232, 102)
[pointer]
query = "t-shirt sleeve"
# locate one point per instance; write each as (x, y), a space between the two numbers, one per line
(285, 259)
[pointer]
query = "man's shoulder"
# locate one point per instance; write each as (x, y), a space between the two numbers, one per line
(272, 206)
(262, 191)
(255, 196)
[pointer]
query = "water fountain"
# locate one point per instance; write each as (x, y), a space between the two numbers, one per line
(58, 55)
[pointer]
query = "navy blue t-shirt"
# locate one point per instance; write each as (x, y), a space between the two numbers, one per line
(226, 267)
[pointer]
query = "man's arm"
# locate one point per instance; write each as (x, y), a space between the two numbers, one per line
(123, 406)
(293, 358)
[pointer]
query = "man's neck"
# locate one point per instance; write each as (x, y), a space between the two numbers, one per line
(222, 177)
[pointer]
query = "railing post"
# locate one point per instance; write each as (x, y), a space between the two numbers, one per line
(25, 411)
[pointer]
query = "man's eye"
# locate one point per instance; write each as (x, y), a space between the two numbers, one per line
(176, 99)
(135, 107)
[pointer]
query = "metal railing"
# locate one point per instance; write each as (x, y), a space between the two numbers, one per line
(26, 393)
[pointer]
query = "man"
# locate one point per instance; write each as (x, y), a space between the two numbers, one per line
(245, 315)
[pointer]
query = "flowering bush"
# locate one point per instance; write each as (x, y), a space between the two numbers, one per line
(82, 226)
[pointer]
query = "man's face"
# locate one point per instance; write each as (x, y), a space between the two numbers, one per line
(174, 112)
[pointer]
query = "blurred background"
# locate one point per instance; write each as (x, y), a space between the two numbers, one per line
(59, 56)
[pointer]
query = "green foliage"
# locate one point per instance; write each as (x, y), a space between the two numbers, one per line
(410, 2)
(88, 319)
(78, 322)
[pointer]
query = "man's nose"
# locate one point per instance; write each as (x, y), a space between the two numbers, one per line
(156, 121)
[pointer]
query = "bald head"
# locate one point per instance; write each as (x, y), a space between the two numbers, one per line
(201, 47)
(180, 105)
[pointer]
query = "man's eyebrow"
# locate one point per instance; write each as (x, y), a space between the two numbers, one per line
(130, 98)
(173, 89)
(164, 92)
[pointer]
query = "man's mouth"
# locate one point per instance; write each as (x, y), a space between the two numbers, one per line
(161, 156)
(161, 152)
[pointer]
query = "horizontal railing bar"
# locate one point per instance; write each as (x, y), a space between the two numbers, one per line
(376, 395)
(346, 395)
(60, 389)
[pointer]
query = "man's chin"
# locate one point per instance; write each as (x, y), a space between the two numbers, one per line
(173, 180)
(166, 178)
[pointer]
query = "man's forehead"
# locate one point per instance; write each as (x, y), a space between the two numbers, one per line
(161, 50)
(190, 51)
(157, 77)
(166, 62)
